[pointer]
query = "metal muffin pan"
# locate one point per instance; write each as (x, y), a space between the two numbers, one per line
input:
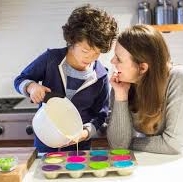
(97, 162)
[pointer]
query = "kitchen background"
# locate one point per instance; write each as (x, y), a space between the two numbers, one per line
(29, 27)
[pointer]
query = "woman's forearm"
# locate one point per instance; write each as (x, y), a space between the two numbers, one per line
(119, 132)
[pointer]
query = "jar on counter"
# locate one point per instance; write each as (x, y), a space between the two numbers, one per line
(144, 13)
(179, 12)
(164, 12)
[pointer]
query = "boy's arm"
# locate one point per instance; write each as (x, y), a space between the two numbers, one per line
(34, 72)
(100, 108)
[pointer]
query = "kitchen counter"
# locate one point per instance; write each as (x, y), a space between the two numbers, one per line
(151, 167)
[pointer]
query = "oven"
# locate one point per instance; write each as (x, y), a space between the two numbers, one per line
(16, 121)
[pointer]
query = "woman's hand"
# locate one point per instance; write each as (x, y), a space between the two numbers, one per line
(120, 88)
(37, 92)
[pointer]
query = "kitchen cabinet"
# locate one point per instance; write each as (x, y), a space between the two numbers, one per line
(96, 143)
(100, 142)
(16, 143)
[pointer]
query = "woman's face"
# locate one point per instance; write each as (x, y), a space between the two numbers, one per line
(128, 70)
(84, 55)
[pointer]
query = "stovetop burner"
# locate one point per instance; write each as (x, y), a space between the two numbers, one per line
(8, 112)
(16, 105)
(8, 103)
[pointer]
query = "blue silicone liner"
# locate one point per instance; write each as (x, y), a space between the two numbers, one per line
(75, 166)
(98, 152)
(123, 164)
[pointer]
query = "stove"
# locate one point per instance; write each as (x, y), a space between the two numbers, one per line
(7, 104)
(16, 118)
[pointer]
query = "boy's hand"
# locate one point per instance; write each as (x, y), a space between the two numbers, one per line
(83, 137)
(37, 92)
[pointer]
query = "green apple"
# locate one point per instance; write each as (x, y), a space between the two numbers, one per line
(6, 163)
(6, 166)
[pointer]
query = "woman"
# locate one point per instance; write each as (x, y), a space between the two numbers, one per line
(147, 111)
(75, 71)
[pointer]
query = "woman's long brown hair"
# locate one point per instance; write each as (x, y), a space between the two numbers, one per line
(146, 45)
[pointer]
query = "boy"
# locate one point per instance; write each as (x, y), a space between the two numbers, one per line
(74, 71)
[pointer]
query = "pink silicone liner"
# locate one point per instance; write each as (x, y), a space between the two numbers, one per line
(56, 154)
(76, 159)
(121, 157)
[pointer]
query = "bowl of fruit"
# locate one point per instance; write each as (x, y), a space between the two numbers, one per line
(8, 163)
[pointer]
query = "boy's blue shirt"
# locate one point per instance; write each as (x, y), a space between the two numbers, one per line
(92, 102)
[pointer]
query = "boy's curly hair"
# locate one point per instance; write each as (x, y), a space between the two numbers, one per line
(92, 24)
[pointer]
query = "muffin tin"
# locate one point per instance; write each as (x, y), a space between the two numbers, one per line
(97, 162)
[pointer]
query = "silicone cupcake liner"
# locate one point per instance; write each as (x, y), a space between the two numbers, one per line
(98, 158)
(120, 151)
(98, 152)
(53, 160)
(50, 167)
(56, 154)
(75, 153)
(120, 157)
(123, 164)
(74, 166)
(99, 165)
(76, 159)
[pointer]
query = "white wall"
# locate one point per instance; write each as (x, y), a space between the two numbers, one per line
(29, 27)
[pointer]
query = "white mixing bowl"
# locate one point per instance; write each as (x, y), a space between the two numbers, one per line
(57, 122)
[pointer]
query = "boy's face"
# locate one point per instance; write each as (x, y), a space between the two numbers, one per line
(84, 54)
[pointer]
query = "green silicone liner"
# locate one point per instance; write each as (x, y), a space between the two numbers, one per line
(99, 165)
(120, 151)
